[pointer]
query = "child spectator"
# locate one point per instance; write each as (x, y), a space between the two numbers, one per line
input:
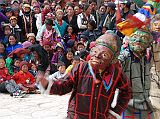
(16, 66)
(91, 33)
(24, 78)
(2, 50)
(70, 35)
(76, 60)
(12, 44)
(60, 73)
(31, 38)
(47, 45)
(7, 31)
(59, 52)
(33, 69)
(16, 30)
(80, 46)
(7, 85)
(16, 13)
(104, 29)
(68, 57)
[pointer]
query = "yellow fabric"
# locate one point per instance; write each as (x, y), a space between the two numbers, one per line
(126, 31)
(69, 68)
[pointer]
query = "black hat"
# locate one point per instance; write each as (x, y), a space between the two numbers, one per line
(128, 4)
(8, 9)
(112, 5)
(2, 3)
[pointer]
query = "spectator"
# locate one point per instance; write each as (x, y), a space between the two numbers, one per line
(8, 12)
(76, 61)
(110, 19)
(7, 32)
(16, 65)
(16, 30)
(91, 33)
(77, 10)
(28, 21)
(2, 51)
(60, 73)
(60, 23)
(16, 13)
(13, 44)
(31, 38)
(102, 16)
(33, 69)
(68, 57)
(47, 32)
(125, 6)
(71, 18)
(45, 11)
(84, 17)
(70, 35)
(24, 79)
(7, 85)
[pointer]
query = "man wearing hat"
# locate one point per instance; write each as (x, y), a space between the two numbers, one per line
(93, 83)
(126, 9)
(28, 21)
(110, 19)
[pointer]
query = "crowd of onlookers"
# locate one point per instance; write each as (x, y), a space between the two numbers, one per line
(51, 36)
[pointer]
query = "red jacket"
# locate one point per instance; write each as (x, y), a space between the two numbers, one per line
(21, 78)
(4, 74)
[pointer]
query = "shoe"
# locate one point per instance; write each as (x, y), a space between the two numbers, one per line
(19, 94)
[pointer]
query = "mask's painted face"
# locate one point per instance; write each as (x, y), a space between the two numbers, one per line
(139, 41)
(101, 57)
(156, 26)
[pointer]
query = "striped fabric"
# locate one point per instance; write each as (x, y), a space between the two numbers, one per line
(137, 114)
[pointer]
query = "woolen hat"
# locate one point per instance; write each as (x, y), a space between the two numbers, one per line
(23, 63)
(26, 44)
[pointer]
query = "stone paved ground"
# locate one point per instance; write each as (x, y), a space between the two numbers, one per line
(34, 106)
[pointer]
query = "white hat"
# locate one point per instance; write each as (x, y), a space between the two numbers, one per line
(12, 2)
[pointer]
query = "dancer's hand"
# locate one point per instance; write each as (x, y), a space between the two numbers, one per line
(42, 80)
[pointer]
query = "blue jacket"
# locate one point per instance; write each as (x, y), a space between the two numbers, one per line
(10, 48)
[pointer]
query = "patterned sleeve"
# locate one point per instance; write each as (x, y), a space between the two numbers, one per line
(67, 83)
(124, 94)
